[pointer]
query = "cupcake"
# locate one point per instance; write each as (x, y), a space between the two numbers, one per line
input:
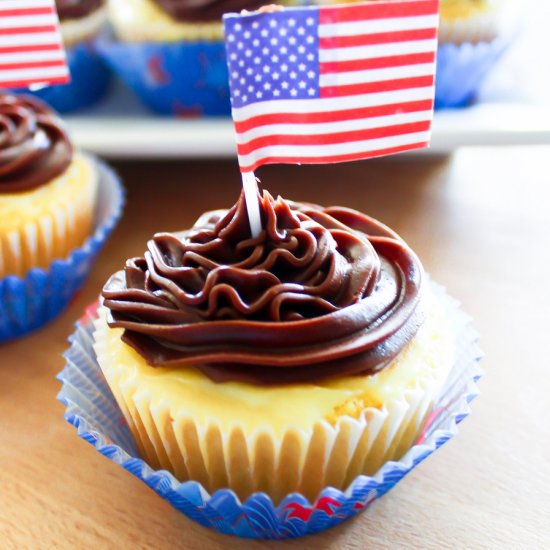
(473, 35)
(48, 210)
(81, 22)
(286, 363)
(171, 53)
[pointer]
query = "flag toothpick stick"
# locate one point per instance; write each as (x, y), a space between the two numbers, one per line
(250, 186)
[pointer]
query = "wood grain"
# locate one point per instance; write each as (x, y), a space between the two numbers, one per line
(480, 222)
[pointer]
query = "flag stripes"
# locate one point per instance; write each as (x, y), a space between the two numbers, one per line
(31, 49)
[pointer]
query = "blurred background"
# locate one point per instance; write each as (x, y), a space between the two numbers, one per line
(161, 93)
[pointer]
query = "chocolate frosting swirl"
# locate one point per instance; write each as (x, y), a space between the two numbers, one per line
(205, 10)
(321, 292)
(75, 9)
(34, 145)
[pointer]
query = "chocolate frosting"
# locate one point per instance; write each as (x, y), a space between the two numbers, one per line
(75, 9)
(206, 10)
(321, 292)
(34, 146)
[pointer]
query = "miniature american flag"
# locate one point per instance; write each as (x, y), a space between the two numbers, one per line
(31, 48)
(332, 83)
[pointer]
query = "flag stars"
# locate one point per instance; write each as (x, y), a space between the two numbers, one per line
(273, 58)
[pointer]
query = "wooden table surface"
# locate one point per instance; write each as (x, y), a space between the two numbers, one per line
(479, 220)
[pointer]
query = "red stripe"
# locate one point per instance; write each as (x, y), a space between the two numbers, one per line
(333, 138)
(32, 64)
(375, 87)
(28, 82)
(333, 116)
(31, 48)
(375, 10)
(377, 62)
(376, 38)
(16, 12)
(334, 158)
(28, 30)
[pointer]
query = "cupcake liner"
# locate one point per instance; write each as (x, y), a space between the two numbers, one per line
(93, 410)
(30, 302)
(90, 80)
(186, 79)
(461, 68)
(303, 460)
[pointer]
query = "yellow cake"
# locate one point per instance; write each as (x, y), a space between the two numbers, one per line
(47, 193)
(266, 435)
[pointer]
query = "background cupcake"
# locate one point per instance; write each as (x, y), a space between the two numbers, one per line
(48, 210)
(473, 34)
(81, 22)
(171, 53)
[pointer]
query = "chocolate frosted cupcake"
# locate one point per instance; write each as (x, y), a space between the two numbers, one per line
(57, 207)
(288, 362)
(47, 191)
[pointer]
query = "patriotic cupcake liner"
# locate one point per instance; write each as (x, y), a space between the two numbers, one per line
(90, 79)
(32, 301)
(92, 409)
(184, 79)
(461, 69)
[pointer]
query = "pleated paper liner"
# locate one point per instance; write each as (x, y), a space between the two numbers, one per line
(183, 79)
(299, 458)
(92, 408)
(31, 301)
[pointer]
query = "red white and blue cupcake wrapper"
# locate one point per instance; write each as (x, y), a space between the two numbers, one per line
(186, 79)
(90, 79)
(92, 409)
(30, 302)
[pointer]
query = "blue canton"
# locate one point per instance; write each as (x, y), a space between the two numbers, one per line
(273, 56)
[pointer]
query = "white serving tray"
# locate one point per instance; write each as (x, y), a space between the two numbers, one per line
(133, 133)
